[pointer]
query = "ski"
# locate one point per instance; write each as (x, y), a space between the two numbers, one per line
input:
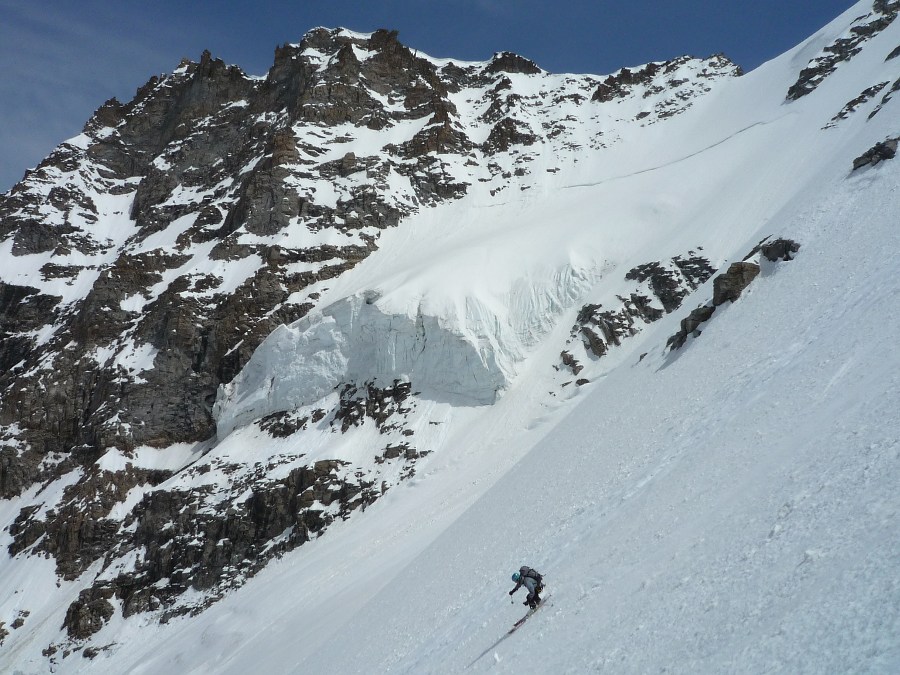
(521, 621)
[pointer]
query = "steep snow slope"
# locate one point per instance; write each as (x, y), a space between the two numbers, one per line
(730, 506)
(734, 509)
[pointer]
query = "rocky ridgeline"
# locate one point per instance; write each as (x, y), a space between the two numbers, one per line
(599, 328)
(667, 79)
(211, 154)
(844, 48)
(180, 229)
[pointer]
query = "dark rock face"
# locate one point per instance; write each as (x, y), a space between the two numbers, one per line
(665, 77)
(669, 284)
(192, 547)
(186, 543)
(283, 424)
(377, 404)
(505, 134)
(79, 532)
(844, 48)
(211, 537)
(877, 153)
(22, 309)
(18, 469)
(507, 62)
(690, 326)
(779, 250)
(728, 286)
(571, 362)
(851, 106)
(620, 84)
(89, 612)
(887, 97)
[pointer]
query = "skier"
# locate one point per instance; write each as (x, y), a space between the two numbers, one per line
(532, 580)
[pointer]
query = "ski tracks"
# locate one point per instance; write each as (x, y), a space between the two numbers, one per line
(518, 624)
(680, 159)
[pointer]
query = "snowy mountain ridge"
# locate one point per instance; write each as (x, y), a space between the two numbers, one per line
(282, 351)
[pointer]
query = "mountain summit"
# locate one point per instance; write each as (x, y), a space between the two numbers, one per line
(269, 342)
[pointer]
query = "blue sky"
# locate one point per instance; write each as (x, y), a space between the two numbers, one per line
(60, 60)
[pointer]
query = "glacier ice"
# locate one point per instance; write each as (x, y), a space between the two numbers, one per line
(461, 350)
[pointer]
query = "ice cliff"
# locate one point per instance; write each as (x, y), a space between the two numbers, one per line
(461, 349)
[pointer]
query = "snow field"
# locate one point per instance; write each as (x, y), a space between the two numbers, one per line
(732, 511)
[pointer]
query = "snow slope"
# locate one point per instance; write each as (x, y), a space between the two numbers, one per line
(734, 509)
(730, 507)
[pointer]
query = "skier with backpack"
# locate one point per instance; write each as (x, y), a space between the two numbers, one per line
(533, 581)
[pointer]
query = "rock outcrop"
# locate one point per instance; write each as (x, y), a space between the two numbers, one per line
(851, 106)
(879, 152)
(728, 286)
(600, 328)
(895, 87)
(844, 48)
(669, 85)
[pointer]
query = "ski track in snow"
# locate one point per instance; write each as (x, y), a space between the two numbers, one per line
(678, 160)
